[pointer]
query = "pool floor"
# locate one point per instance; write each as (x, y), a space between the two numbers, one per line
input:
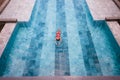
(88, 47)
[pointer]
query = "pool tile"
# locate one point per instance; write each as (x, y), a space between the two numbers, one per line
(87, 45)
(61, 55)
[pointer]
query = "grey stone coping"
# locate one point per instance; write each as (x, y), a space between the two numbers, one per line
(64, 78)
(8, 20)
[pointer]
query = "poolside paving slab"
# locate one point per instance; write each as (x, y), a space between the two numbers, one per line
(100, 9)
(18, 9)
(64, 78)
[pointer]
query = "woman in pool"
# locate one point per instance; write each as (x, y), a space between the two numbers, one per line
(58, 37)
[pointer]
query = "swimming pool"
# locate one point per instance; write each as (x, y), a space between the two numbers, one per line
(88, 47)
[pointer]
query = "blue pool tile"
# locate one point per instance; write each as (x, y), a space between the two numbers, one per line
(61, 51)
(32, 68)
(87, 43)
(40, 45)
(65, 34)
(41, 24)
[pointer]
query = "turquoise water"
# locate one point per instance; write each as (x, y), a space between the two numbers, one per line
(88, 47)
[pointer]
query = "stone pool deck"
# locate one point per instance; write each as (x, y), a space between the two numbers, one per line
(115, 28)
(5, 35)
(19, 10)
(102, 9)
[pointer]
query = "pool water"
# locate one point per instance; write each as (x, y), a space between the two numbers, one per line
(88, 47)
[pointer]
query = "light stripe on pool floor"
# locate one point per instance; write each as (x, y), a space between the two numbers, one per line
(47, 61)
(61, 51)
(77, 67)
